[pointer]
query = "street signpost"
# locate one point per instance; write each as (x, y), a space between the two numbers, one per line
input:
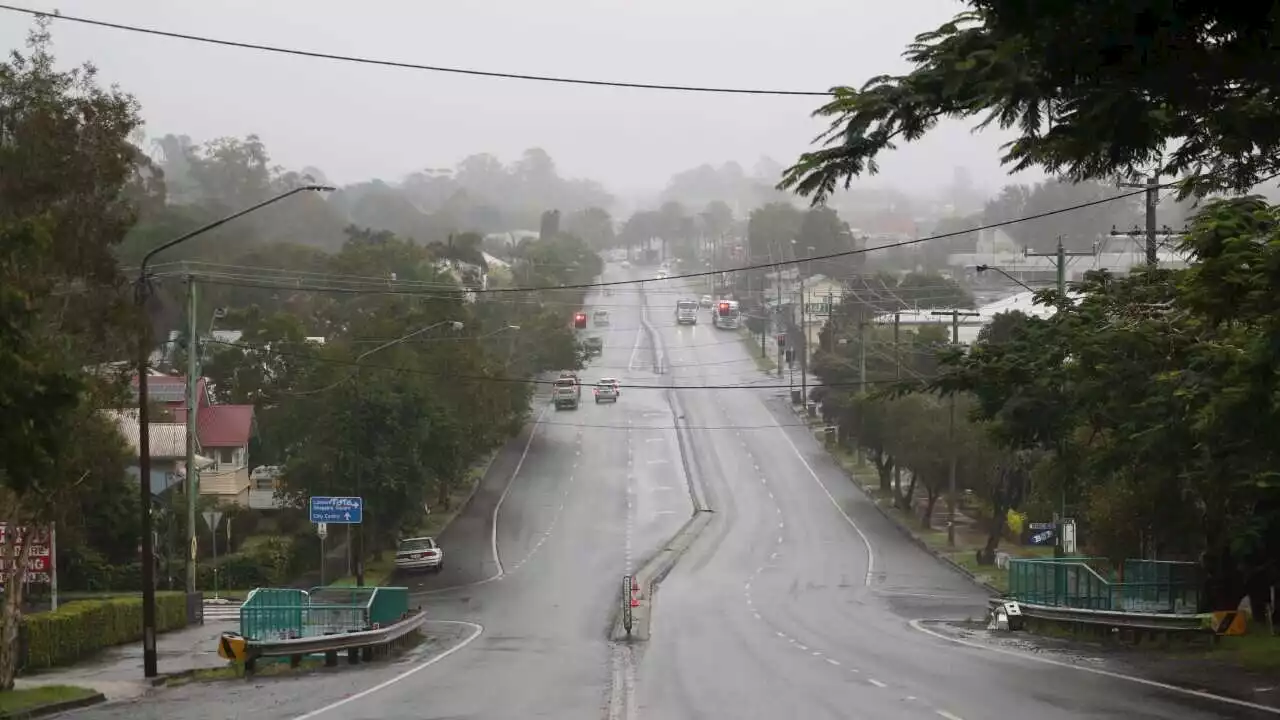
(39, 558)
(322, 530)
(337, 510)
(212, 518)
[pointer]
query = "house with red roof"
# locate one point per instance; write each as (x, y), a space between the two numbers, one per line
(223, 433)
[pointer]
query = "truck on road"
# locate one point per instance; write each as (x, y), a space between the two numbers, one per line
(687, 312)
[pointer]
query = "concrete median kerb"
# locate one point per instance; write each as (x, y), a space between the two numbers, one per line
(651, 574)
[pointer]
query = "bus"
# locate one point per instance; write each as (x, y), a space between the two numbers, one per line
(727, 315)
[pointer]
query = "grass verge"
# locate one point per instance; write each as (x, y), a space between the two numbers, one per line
(967, 544)
(752, 343)
(33, 699)
(1259, 650)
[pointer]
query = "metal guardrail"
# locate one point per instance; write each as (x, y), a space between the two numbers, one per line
(1162, 622)
(221, 611)
(290, 614)
(327, 644)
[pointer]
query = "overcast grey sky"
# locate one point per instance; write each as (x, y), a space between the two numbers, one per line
(356, 122)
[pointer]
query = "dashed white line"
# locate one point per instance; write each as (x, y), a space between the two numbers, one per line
(803, 647)
(833, 661)
(817, 653)
(779, 539)
(876, 682)
(947, 715)
(757, 615)
(779, 634)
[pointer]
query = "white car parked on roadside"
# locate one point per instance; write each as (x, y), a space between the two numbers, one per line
(419, 553)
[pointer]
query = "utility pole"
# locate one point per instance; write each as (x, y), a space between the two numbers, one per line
(1152, 186)
(897, 375)
(804, 348)
(1060, 262)
(862, 352)
(951, 428)
(193, 403)
(777, 287)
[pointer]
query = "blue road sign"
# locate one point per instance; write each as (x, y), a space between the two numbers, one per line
(1042, 538)
(337, 510)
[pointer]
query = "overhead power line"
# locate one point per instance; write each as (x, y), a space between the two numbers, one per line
(360, 60)
(503, 379)
(391, 289)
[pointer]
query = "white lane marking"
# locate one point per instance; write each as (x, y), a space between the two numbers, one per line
(947, 715)
(493, 522)
(876, 682)
(757, 615)
(475, 633)
(635, 347)
(779, 634)
(803, 647)
(871, 558)
(817, 653)
(919, 625)
(833, 661)
(779, 538)
(649, 440)
(665, 512)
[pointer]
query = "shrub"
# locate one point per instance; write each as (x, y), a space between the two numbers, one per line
(80, 629)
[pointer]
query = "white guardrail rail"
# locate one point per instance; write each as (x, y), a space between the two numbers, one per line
(222, 611)
(1162, 622)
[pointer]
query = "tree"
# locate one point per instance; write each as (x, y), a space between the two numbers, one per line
(68, 165)
(1081, 230)
(717, 219)
(1111, 99)
(593, 225)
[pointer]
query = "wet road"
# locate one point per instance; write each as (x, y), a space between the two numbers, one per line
(797, 600)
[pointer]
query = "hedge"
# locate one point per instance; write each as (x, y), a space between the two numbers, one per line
(80, 629)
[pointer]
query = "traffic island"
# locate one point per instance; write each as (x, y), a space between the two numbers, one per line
(41, 700)
(636, 600)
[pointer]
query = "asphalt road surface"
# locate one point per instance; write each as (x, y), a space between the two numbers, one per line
(797, 600)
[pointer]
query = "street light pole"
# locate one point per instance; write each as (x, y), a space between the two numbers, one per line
(1002, 271)
(359, 553)
(141, 295)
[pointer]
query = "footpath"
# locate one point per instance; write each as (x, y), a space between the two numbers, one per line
(117, 671)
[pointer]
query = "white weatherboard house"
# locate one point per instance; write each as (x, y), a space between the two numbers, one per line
(972, 325)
